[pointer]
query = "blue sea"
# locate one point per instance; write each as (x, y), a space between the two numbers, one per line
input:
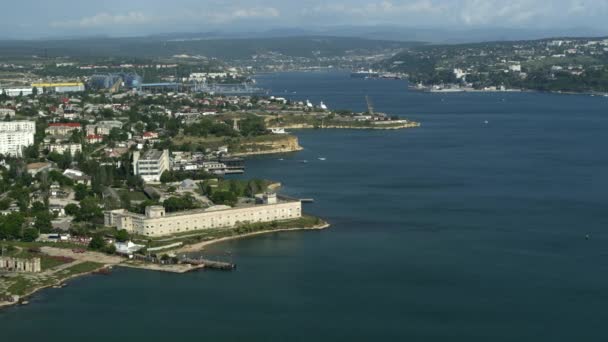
(488, 223)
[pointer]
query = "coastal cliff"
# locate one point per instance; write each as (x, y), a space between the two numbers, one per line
(268, 145)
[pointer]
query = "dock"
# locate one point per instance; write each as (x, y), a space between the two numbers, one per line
(307, 200)
(211, 264)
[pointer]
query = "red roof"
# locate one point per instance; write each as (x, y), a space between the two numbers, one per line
(150, 134)
(65, 124)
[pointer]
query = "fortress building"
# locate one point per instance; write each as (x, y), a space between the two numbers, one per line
(157, 222)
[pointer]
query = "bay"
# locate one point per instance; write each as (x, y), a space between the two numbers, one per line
(460, 230)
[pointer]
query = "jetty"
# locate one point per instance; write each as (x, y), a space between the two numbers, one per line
(210, 264)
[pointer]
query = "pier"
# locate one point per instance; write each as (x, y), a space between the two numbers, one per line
(211, 264)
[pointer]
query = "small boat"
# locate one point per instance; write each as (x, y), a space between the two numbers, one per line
(304, 161)
(486, 122)
(322, 158)
(281, 159)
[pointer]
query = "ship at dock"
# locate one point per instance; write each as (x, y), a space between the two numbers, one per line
(365, 74)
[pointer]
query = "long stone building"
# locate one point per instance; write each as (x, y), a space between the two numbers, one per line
(156, 222)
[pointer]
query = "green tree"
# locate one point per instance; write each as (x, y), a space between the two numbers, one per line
(97, 243)
(71, 209)
(30, 235)
(89, 210)
(10, 226)
(122, 235)
(43, 222)
(81, 191)
(224, 197)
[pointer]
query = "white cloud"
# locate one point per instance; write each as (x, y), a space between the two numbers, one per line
(104, 19)
(219, 16)
(379, 9)
(243, 13)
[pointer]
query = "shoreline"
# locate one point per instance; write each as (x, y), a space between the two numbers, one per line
(5, 305)
(201, 245)
(377, 127)
(185, 249)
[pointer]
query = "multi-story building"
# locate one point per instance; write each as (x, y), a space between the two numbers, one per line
(63, 129)
(4, 112)
(65, 148)
(157, 222)
(151, 165)
(15, 135)
(103, 127)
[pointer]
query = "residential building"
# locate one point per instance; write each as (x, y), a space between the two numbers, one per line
(15, 135)
(103, 127)
(94, 138)
(65, 148)
(151, 165)
(34, 168)
(4, 112)
(63, 129)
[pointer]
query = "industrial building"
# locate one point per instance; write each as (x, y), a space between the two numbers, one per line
(14, 92)
(15, 135)
(115, 80)
(157, 222)
(66, 87)
(151, 165)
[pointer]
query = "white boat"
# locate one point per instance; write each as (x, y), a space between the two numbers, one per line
(309, 104)
(322, 159)
(323, 106)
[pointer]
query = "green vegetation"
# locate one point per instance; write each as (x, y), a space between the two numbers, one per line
(84, 267)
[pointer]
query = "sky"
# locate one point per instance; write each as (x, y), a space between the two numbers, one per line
(64, 18)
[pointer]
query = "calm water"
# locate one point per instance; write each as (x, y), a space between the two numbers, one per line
(459, 231)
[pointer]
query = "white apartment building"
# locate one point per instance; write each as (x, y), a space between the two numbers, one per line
(151, 165)
(15, 135)
(65, 148)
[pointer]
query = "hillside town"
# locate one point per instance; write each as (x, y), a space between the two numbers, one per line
(565, 65)
(111, 169)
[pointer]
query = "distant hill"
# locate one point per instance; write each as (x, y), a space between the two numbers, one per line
(192, 44)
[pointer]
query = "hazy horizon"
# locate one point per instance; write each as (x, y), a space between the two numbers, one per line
(30, 19)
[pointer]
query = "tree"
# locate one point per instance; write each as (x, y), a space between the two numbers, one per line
(43, 222)
(30, 234)
(81, 191)
(122, 236)
(89, 210)
(71, 209)
(97, 243)
(10, 226)
(224, 197)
